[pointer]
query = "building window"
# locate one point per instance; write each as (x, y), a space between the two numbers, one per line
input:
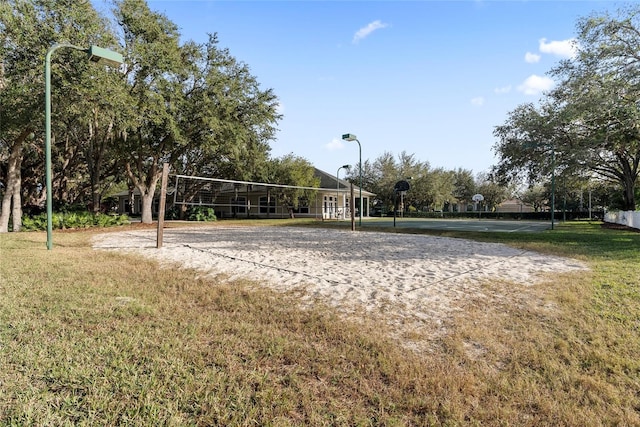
(303, 206)
(267, 206)
(240, 205)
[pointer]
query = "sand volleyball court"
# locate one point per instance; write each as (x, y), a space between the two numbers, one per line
(416, 281)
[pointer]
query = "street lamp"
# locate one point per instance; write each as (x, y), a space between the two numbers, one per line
(338, 186)
(351, 137)
(95, 54)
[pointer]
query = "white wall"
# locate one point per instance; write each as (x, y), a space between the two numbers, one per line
(628, 218)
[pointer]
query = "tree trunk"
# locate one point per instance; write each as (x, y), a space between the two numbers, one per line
(95, 155)
(147, 205)
(16, 212)
(629, 194)
(628, 176)
(147, 190)
(94, 166)
(6, 209)
(13, 187)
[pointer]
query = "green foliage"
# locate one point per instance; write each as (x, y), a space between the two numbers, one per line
(464, 185)
(192, 213)
(431, 189)
(535, 196)
(205, 114)
(192, 105)
(83, 115)
(33, 223)
(295, 171)
(586, 126)
(381, 176)
(72, 220)
(200, 213)
(493, 192)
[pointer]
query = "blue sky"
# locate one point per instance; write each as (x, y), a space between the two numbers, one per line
(432, 78)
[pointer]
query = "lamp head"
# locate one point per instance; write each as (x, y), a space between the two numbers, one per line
(345, 167)
(349, 137)
(104, 56)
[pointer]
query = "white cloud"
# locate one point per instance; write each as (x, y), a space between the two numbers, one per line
(531, 58)
(561, 48)
(477, 101)
(535, 85)
(335, 144)
(366, 31)
(503, 89)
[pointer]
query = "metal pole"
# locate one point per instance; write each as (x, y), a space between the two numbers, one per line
(352, 137)
(94, 52)
(360, 167)
(564, 199)
(337, 190)
(47, 136)
(553, 187)
(47, 142)
(395, 200)
(353, 218)
(163, 202)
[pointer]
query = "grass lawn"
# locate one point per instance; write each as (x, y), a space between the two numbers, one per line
(101, 338)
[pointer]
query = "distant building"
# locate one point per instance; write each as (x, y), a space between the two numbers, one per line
(514, 205)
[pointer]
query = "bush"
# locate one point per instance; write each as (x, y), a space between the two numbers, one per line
(199, 213)
(33, 223)
(72, 220)
(192, 213)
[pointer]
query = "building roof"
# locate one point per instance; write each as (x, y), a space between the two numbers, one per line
(328, 181)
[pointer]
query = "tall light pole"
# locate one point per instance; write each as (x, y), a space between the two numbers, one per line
(95, 54)
(338, 185)
(352, 137)
(553, 186)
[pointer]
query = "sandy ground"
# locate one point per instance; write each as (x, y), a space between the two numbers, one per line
(416, 281)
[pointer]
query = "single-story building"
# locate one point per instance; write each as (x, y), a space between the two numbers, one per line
(238, 199)
(514, 205)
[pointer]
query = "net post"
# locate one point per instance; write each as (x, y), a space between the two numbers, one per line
(353, 211)
(163, 200)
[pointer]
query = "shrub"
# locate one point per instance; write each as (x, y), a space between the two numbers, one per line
(199, 213)
(33, 223)
(72, 220)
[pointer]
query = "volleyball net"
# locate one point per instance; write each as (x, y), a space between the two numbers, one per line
(250, 199)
